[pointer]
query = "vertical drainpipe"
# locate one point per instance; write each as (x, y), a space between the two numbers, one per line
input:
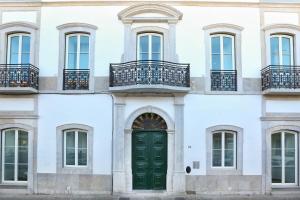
(112, 142)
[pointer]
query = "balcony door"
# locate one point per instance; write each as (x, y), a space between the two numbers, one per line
(77, 51)
(284, 158)
(150, 46)
(282, 50)
(18, 51)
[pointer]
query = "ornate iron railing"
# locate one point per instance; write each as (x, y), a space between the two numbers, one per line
(223, 80)
(280, 77)
(76, 79)
(19, 75)
(149, 72)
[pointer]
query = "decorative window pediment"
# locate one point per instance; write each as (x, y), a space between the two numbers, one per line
(150, 13)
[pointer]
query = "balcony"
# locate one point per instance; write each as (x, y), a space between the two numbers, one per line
(223, 80)
(279, 79)
(76, 79)
(19, 79)
(149, 76)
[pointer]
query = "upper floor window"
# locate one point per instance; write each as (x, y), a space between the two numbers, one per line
(223, 149)
(75, 148)
(281, 50)
(77, 51)
(150, 46)
(222, 52)
(18, 51)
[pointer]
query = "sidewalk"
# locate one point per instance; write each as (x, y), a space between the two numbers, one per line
(99, 197)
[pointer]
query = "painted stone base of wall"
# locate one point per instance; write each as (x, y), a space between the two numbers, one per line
(226, 184)
(49, 183)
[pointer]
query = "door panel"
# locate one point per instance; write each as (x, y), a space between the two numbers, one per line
(149, 159)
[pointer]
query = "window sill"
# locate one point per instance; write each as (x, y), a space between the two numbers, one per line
(223, 171)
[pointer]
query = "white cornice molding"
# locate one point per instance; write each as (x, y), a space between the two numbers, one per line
(223, 25)
(171, 15)
(75, 24)
(280, 26)
(19, 24)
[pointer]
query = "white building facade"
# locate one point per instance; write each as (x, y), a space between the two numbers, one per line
(196, 97)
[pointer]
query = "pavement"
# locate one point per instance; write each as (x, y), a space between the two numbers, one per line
(108, 197)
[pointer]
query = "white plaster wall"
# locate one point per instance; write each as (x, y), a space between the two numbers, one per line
(109, 36)
(25, 16)
(16, 104)
(92, 110)
(203, 111)
(283, 105)
(164, 103)
(281, 18)
(190, 36)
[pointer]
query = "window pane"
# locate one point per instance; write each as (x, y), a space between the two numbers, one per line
(217, 140)
(215, 45)
(84, 61)
(216, 61)
(290, 158)
(72, 59)
(229, 141)
(25, 44)
(72, 52)
(9, 155)
(25, 58)
(22, 172)
(156, 47)
(227, 45)
(82, 140)
(144, 47)
(275, 51)
(23, 148)
(14, 49)
(217, 158)
(229, 158)
(156, 56)
(276, 158)
(70, 148)
(82, 156)
(84, 44)
(228, 64)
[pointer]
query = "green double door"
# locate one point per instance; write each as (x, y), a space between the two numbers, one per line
(149, 160)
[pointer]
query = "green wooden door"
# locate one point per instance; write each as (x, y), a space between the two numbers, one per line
(149, 160)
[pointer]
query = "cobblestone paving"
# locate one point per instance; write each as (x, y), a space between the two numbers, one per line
(53, 197)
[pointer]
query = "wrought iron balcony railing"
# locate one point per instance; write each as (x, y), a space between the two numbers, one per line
(223, 80)
(19, 75)
(149, 72)
(76, 79)
(280, 77)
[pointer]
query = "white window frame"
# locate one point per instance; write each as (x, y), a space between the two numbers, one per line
(280, 36)
(223, 150)
(150, 44)
(78, 35)
(283, 159)
(76, 148)
(221, 35)
(16, 172)
(21, 35)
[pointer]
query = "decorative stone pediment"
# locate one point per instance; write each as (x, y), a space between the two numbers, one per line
(150, 12)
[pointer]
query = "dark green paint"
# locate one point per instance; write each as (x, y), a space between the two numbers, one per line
(149, 160)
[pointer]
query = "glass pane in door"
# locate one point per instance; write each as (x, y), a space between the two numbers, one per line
(84, 52)
(215, 53)
(14, 50)
(72, 52)
(156, 47)
(9, 155)
(70, 148)
(144, 47)
(276, 158)
(82, 148)
(229, 150)
(217, 149)
(286, 51)
(227, 49)
(275, 51)
(25, 54)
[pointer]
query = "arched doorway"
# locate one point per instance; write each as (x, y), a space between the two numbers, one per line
(149, 152)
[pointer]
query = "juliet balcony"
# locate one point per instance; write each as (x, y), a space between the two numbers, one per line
(19, 79)
(281, 79)
(76, 79)
(223, 80)
(149, 76)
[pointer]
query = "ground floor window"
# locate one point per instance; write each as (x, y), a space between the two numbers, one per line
(284, 158)
(75, 148)
(14, 155)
